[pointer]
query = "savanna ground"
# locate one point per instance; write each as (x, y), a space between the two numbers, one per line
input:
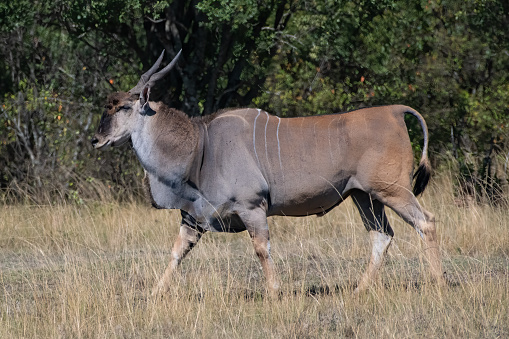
(74, 271)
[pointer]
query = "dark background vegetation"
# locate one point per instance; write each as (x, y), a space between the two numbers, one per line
(59, 59)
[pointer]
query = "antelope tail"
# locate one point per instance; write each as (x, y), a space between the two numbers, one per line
(423, 172)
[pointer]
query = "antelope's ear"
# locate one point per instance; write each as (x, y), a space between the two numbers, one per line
(144, 102)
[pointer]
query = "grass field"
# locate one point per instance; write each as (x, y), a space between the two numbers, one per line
(86, 271)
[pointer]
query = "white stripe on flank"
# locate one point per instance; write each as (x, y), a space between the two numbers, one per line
(283, 183)
(254, 137)
(266, 151)
(278, 146)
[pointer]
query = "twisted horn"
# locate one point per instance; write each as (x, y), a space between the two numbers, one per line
(145, 77)
(163, 72)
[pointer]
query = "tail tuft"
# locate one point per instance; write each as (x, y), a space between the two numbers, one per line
(422, 176)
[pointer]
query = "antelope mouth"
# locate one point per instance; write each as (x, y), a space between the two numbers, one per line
(104, 145)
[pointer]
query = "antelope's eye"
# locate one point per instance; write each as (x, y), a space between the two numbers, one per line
(125, 107)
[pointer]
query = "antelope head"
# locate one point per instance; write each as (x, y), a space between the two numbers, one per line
(123, 109)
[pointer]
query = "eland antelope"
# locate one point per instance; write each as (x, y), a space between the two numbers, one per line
(229, 171)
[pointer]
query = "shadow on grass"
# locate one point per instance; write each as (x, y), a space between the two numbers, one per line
(317, 290)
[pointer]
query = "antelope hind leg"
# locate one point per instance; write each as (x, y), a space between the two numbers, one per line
(407, 207)
(380, 232)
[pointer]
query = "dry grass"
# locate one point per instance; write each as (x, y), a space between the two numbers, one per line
(86, 271)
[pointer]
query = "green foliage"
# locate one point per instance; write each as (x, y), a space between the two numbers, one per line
(236, 13)
(53, 86)
(446, 58)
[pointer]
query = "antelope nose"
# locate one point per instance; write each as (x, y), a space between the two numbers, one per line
(94, 141)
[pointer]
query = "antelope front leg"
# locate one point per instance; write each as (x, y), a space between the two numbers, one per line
(185, 241)
(261, 244)
(256, 224)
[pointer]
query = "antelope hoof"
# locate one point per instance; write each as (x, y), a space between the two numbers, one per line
(273, 289)
(159, 289)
